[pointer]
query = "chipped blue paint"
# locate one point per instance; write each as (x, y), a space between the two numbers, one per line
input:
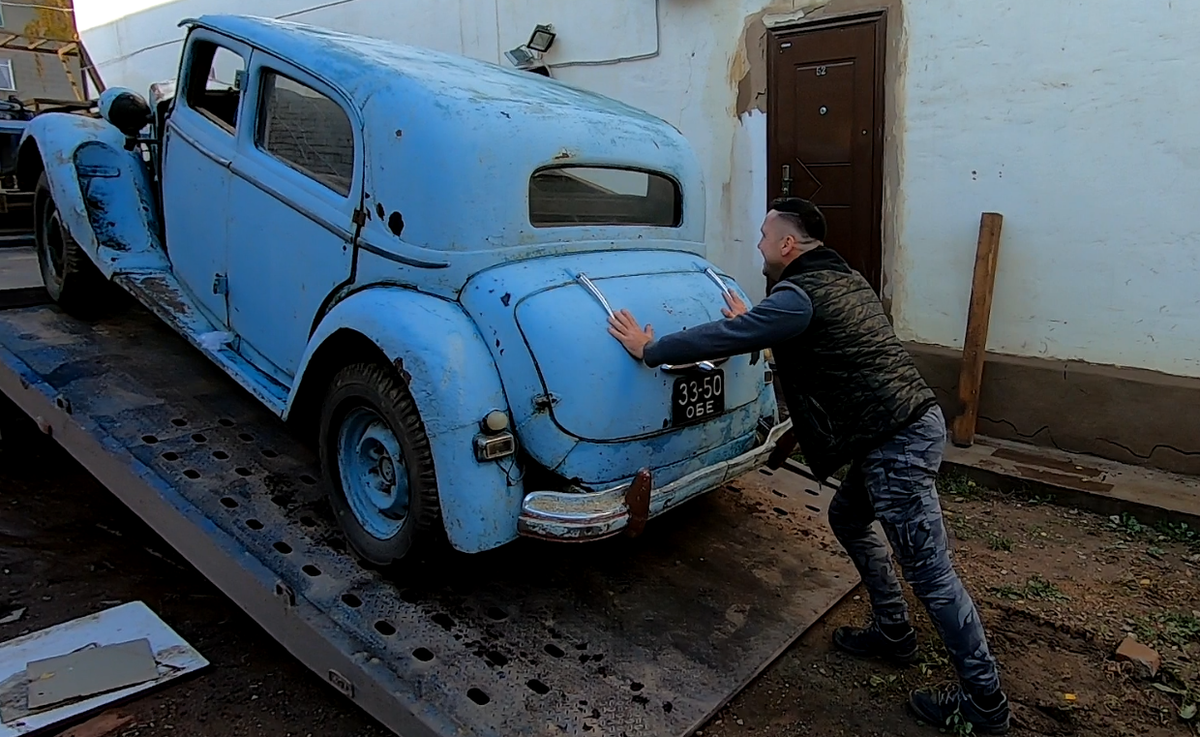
(455, 384)
(428, 252)
(102, 191)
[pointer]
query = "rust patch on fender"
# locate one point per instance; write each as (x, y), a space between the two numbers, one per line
(399, 364)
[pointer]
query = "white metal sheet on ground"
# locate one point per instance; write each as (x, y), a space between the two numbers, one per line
(120, 624)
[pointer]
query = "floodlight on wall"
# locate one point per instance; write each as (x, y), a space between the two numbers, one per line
(520, 57)
(542, 38)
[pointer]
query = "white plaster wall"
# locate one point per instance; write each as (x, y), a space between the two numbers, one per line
(1077, 122)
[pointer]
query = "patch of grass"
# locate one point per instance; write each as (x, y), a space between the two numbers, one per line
(963, 530)
(1035, 588)
(878, 683)
(955, 483)
(1180, 628)
(958, 726)
(1178, 532)
(1008, 591)
(1173, 628)
(1039, 588)
(999, 542)
(1127, 524)
(1145, 630)
(1174, 532)
(933, 658)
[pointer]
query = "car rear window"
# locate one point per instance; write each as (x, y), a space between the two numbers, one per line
(590, 195)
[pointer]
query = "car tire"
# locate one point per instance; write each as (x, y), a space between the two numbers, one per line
(369, 418)
(70, 277)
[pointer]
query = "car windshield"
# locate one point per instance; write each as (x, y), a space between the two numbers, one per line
(589, 195)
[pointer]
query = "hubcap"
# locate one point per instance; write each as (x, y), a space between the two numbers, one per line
(373, 474)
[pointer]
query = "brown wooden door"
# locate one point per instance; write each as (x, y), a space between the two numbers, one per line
(825, 132)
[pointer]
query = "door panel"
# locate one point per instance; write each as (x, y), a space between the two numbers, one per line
(825, 133)
(199, 147)
(293, 204)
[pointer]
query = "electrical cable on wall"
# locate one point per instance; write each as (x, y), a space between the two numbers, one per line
(622, 59)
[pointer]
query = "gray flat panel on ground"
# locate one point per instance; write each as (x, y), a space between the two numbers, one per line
(646, 636)
(90, 671)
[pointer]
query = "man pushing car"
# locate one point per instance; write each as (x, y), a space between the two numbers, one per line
(855, 397)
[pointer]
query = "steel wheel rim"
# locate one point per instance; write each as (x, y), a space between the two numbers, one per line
(373, 473)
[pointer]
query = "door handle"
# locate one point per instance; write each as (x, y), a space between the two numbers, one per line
(787, 180)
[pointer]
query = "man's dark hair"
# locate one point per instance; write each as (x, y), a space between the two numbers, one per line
(803, 214)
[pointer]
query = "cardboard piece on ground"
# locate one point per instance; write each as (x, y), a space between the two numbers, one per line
(90, 671)
(121, 624)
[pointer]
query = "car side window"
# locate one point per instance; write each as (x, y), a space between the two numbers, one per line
(306, 130)
(215, 83)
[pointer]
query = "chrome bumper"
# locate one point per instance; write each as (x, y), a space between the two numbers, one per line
(557, 515)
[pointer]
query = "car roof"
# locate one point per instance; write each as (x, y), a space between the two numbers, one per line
(361, 65)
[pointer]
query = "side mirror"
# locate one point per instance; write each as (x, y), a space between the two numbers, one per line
(125, 110)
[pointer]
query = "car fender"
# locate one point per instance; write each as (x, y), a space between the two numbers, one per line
(102, 191)
(439, 352)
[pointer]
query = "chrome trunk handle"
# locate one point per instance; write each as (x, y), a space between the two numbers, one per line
(588, 285)
(720, 282)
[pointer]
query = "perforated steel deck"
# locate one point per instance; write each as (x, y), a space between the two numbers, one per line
(626, 637)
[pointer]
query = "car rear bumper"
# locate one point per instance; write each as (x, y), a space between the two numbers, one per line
(579, 517)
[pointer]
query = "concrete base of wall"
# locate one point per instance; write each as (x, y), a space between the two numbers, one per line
(1131, 416)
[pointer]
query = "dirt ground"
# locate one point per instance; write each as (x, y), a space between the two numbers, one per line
(1058, 590)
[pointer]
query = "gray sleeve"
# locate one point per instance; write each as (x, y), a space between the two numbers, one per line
(784, 314)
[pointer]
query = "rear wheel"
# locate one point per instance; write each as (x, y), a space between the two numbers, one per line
(70, 277)
(378, 464)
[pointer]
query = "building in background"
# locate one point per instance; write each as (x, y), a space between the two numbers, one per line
(38, 55)
(904, 119)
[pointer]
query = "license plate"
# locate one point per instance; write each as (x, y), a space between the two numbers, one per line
(697, 397)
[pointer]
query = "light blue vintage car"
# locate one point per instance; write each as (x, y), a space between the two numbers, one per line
(411, 256)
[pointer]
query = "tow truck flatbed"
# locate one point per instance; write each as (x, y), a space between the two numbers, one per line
(648, 636)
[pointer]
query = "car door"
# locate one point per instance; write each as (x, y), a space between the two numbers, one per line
(199, 145)
(296, 187)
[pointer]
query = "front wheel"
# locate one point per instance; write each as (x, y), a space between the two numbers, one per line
(70, 277)
(378, 464)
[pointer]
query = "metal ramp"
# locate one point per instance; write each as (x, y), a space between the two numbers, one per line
(626, 637)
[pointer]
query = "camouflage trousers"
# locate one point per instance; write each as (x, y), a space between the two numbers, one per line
(895, 485)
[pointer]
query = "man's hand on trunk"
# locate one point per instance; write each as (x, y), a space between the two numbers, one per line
(736, 306)
(625, 329)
